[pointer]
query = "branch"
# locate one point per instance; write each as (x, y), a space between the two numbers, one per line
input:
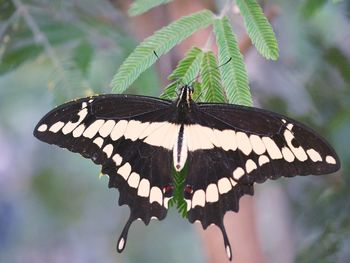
(9, 22)
(40, 37)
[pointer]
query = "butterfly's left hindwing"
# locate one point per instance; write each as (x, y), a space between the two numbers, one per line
(106, 129)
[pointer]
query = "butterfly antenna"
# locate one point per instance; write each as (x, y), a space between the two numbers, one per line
(228, 61)
(155, 53)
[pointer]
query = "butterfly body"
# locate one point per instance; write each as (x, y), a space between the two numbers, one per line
(138, 140)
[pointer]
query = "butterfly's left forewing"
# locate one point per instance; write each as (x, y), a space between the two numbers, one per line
(111, 130)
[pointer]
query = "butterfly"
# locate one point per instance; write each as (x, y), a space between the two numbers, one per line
(139, 140)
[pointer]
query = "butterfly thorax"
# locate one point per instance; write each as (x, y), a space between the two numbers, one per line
(184, 105)
(185, 97)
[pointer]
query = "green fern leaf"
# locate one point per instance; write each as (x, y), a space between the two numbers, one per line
(179, 185)
(161, 42)
(142, 6)
(188, 67)
(211, 78)
(185, 72)
(233, 74)
(258, 28)
(170, 91)
(197, 94)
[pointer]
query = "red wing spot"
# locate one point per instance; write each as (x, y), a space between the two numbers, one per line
(168, 190)
(188, 191)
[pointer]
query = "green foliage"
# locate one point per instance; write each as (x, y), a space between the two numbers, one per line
(188, 67)
(6, 9)
(185, 72)
(258, 28)
(160, 42)
(15, 57)
(211, 79)
(20, 46)
(339, 61)
(310, 7)
(48, 186)
(178, 198)
(141, 6)
(82, 56)
(234, 75)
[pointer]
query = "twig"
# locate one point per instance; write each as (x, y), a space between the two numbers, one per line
(210, 41)
(9, 22)
(40, 37)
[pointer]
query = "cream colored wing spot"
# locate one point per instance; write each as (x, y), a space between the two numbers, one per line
(330, 159)
(314, 155)
(163, 136)
(117, 159)
(198, 198)
(79, 130)
(287, 154)
(166, 201)
(192, 142)
(42, 128)
(92, 130)
(108, 149)
(151, 128)
(243, 143)
(224, 185)
(119, 130)
(228, 140)
(199, 137)
(125, 171)
(134, 180)
(250, 166)
(156, 195)
(56, 127)
(70, 126)
(106, 128)
(263, 159)
(272, 148)
(257, 144)
(212, 194)
(299, 152)
(188, 204)
(238, 173)
(144, 188)
(170, 137)
(134, 129)
(98, 141)
(233, 182)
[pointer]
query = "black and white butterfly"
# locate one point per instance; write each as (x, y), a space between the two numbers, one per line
(137, 140)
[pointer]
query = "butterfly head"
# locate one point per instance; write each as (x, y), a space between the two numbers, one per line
(185, 95)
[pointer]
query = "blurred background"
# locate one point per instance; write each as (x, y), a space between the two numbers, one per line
(53, 206)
